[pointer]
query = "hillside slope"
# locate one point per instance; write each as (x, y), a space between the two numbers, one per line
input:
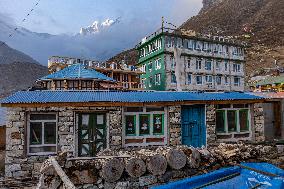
(9, 55)
(18, 71)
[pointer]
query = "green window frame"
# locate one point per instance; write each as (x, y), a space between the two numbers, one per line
(130, 131)
(144, 124)
(156, 125)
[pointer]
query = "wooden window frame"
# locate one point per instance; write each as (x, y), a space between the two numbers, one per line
(42, 126)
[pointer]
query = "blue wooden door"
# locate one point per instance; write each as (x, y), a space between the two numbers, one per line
(193, 125)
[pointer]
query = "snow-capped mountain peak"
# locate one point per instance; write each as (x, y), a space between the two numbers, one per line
(97, 26)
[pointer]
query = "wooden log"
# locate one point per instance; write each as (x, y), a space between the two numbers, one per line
(157, 164)
(176, 159)
(135, 167)
(112, 170)
(68, 184)
(194, 159)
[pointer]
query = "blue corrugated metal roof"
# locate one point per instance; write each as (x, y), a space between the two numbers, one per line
(76, 71)
(107, 96)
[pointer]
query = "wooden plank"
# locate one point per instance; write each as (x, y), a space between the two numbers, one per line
(148, 140)
(128, 141)
(67, 182)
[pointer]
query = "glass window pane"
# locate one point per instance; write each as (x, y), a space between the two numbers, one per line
(50, 133)
(130, 124)
(43, 117)
(144, 124)
(243, 116)
(231, 119)
(35, 133)
(220, 121)
(158, 123)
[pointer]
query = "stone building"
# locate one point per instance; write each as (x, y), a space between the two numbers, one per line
(43, 123)
(184, 60)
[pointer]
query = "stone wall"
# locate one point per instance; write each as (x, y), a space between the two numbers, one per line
(174, 125)
(211, 124)
(258, 123)
(19, 165)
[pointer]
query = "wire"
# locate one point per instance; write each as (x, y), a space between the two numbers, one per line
(23, 20)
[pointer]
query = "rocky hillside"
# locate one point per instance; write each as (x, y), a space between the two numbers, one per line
(259, 22)
(18, 71)
(128, 56)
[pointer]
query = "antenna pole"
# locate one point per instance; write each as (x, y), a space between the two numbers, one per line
(163, 22)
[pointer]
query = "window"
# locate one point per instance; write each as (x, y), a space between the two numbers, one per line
(226, 65)
(73, 85)
(59, 85)
(208, 64)
(188, 62)
(173, 78)
(236, 67)
(190, 44)
(218, 80)
(232, 118)
(130, 125)
(150, 65)
(199, 80)
(144, 124)
(237, 81)
(244, 120)
(220, 121)
(232, 125)
(198, 64)
(145, 127)
(150, 81)
(205, 46)
(208, 79)
(158, 120)
(42, 134)
(226, 80)
(198, 45)
(87, 85)
(188, 79)
(158, 63)
(218, 65)
(173, 63)
(158, 79)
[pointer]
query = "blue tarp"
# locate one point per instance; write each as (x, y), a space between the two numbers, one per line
(242, 179)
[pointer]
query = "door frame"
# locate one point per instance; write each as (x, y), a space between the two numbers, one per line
(205, 121)
(76, 131)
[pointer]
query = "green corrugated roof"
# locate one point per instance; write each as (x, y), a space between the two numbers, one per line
(271, 80)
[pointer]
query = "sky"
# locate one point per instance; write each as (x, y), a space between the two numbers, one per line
(68, 16)
(64, 19)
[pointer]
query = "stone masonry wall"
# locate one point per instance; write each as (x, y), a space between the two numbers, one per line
(19, 165)
(175, 125)
(258, 123)
(211, 124)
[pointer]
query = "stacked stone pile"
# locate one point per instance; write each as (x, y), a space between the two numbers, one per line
(152, 166)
